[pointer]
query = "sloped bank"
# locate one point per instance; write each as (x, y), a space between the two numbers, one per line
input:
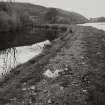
(77, 56)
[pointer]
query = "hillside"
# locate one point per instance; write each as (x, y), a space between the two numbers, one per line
(70, 71)
(59, 16)
(14, 16)
(71, 17)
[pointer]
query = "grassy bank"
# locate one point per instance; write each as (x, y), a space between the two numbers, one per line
(79, 54)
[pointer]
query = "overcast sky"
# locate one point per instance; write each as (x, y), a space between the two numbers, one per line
(88, 8)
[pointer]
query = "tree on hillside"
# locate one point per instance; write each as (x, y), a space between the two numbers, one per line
(51, 15)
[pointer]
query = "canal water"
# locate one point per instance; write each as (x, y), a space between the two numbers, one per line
(24, 53)
(96, 25)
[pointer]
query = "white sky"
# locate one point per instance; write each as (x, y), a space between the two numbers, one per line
(88, 8)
